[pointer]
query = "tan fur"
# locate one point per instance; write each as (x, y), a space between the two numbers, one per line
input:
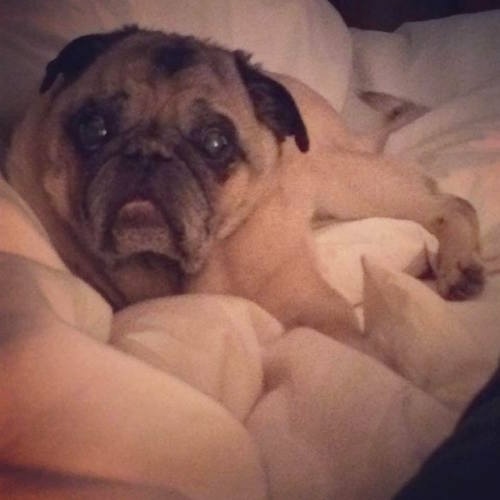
(263, 248)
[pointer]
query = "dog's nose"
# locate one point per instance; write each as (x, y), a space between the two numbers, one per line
(148, 161)
(147, 157)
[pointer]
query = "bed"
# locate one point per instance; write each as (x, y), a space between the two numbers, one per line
(207, 396)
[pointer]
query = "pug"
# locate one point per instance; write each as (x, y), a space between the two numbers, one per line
(162, 164)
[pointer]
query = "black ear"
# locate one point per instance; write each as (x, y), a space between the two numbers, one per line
(80, 54)
(273, 104)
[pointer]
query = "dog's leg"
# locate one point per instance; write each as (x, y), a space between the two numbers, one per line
(353, 185)
(298, 295)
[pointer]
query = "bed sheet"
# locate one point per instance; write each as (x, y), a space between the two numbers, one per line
(207, 396)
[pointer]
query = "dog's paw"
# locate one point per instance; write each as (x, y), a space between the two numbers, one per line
(460, 279)
(460, 272)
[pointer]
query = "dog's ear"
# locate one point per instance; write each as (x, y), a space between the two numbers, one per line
(273, 104)
(79, 54)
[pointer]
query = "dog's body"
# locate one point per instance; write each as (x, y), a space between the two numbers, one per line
(160, 164)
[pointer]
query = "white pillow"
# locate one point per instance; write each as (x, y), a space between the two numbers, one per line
(304, 38)
(430, 62)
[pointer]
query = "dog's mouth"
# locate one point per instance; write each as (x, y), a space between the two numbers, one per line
(142, 224)
(139, 225)
(139, 212)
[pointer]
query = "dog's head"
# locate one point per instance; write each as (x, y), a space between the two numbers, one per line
(157, 143)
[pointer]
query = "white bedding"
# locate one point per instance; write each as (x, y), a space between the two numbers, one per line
(213, 399)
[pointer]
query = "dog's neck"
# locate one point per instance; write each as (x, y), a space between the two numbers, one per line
(145, 276)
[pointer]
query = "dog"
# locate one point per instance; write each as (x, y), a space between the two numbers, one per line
(162, 164)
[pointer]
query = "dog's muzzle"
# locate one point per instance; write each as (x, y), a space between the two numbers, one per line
(151, 203)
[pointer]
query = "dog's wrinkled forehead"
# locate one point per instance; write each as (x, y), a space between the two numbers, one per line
(175, 54)
(165, 54)
(171, 57)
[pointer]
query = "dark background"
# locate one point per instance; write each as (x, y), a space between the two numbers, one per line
(387, 15)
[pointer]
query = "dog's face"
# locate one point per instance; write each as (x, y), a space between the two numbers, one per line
(155, 143)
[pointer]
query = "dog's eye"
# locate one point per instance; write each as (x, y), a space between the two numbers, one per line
(215, 143)
(93, 132)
